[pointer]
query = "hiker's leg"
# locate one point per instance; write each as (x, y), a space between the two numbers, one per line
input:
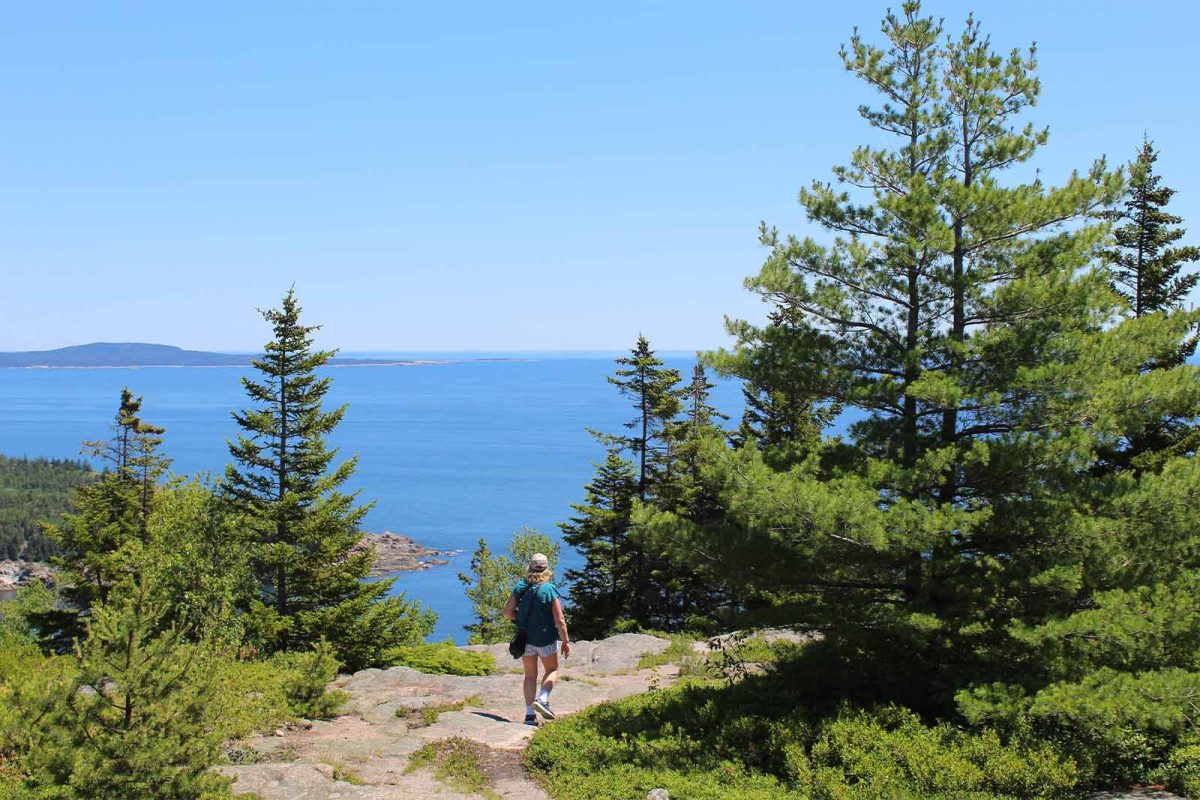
(550, 667)
(530, 664)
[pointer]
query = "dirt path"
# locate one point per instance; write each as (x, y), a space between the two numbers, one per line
(364, 754)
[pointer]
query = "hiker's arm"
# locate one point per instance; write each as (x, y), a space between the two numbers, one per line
(560, 622)
(510, 608)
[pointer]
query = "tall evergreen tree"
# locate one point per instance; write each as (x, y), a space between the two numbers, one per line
(651, 386)
(1146, 268)
(312, 578)
(602, 589)
(1148, 272)
(99, 540)
(959, 312)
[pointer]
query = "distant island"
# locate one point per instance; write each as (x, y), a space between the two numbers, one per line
(135, 354)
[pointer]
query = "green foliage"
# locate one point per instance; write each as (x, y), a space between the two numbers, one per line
(1182, 770)
(305, 688)
(33, 491)
(712, 742)
(1146, 269)
(600, 532)
(454, 761)
(20, 615)
(109, 529)
(625, 526)
(200, 559)
(303, 527)
(1006, 533)
(250, 696)
(443, 658)
(129, 716)
(492, 577)
(679, 649)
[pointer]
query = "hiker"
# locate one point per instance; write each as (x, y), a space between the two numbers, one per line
(534, 606)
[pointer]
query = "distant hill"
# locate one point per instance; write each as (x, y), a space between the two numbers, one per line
(135, 354)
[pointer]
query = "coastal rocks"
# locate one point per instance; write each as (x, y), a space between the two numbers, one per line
(364, 753)
(14, 574)
(396, 553)
(393, 553)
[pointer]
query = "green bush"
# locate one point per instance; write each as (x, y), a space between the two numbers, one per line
(738, 743)
(1182, 770)
(442, 658)
(305, 686)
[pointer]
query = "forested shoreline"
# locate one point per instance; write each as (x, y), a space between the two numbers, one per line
(33, 491)
(994, 570)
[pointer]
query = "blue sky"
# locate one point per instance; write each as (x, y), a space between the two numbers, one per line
(476, 176)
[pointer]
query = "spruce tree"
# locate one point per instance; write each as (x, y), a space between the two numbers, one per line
(1146, 268)
(109, 525)
(602, 589)
(651, 386)
(1148, 273)
(305, 528)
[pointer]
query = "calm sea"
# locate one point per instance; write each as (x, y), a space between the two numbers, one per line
(448, 453)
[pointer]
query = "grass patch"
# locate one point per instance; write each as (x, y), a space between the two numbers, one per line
(427, 715)
(343, 773)
(442, 658)
(679, 649)
(240, 752)
(454, 762)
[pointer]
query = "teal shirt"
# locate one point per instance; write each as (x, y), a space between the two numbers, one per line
(535, 611)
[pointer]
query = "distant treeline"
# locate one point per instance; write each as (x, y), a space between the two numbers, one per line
(34, 491)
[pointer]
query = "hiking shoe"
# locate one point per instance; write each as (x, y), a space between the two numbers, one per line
(543, 708)
(531, 719)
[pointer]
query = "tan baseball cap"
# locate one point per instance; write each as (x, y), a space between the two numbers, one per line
(538, 562)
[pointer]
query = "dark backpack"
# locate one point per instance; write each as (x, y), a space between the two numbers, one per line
(516, 648)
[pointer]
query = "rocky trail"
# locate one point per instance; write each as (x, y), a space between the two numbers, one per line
(364, 753)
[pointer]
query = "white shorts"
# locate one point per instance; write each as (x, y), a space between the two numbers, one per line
(548, 650)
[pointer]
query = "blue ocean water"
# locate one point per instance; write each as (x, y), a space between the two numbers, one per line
(448, 453)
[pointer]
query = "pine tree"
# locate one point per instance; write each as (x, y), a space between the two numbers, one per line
(312, 578)
(602, 590)
(138, 715)
(961, 313)
(1146, 269)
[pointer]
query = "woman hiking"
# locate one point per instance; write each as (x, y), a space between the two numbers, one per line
(534, 606)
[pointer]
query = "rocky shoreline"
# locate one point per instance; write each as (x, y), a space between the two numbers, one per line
(15, 574)
(394, 553)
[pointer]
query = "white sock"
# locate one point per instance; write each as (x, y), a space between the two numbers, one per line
(528, 711)
(544, 695)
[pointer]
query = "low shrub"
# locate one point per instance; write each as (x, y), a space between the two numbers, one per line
(1182, 770)
(442, 658)
(306, 685)
(720, 742)
(455, 762)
